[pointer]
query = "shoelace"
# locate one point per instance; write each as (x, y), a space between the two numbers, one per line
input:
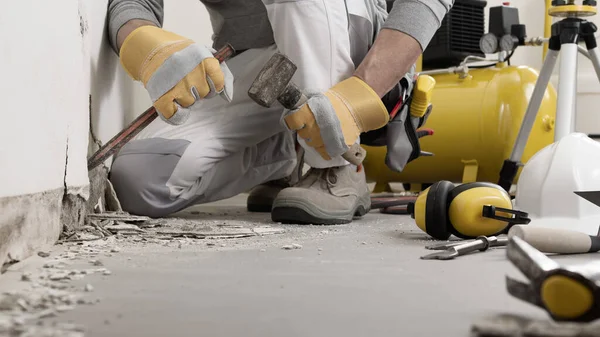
(330, 176)
(326, 176)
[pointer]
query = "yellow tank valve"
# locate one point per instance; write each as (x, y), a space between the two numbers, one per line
(422, 95)
(548, 123)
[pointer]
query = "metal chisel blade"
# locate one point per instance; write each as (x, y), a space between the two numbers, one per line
(591, 196)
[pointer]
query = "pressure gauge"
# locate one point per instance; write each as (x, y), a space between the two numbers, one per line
(488, 43)
(508, 42)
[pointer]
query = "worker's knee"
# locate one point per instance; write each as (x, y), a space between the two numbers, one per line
(140, 173)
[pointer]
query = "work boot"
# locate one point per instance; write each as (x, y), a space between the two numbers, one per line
(327, 196)
(262, 196)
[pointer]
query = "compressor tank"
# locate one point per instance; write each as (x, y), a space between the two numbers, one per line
(476, 120)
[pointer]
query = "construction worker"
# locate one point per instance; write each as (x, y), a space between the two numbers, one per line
(213, 142)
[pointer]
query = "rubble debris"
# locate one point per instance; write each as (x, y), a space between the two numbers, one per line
(115, 250)
(122, 225)
(267, 230)
(292, 246)
(80, 237)
(46, 331)
(26, 276)
(101, 227)
(203, 235)
(43, 254)
(508, 325)
(111, 199)
(47, 293)
(123, 228)
(97, 263)
(63, 308)
(59, 275)
(118, 216)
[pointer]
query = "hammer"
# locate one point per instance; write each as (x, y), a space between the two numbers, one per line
(274, 83)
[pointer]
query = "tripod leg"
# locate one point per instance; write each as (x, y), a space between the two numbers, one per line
(595, 61)
(511, 166)
(589, 29)
(534, 105)
(567, 91)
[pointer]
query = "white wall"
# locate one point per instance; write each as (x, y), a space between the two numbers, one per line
(50, 64)
(110, 89)
(44, 97)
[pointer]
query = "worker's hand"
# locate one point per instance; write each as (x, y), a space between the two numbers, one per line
(331, 122)
(176, 71)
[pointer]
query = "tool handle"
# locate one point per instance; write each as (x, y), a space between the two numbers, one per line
(482, 243)
(224, 53)
(558, 241)
(121, 138)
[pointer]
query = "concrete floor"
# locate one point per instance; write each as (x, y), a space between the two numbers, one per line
(362, 279)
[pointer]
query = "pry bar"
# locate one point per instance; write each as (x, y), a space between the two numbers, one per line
(121, 138)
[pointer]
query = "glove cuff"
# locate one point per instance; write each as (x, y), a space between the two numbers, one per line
(363, 103)
(146, 48)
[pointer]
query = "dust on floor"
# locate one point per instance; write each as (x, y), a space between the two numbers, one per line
(216, 267)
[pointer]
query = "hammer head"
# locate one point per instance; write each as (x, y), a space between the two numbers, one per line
(272, 80)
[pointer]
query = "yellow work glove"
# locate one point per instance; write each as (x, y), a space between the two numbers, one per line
(176, 71)
(331, 122)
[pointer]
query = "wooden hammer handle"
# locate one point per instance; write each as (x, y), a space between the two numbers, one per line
(554, 240)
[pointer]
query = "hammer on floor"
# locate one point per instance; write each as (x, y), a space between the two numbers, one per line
(274, 83)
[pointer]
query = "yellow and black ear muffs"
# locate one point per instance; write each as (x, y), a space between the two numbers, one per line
(429, 210)
(466, 211)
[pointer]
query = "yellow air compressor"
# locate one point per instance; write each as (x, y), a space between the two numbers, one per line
(476, 116)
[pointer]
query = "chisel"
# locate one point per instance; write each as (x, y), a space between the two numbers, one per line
(554, 240)
(139, 123)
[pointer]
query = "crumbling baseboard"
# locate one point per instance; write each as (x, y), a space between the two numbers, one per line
(33, 222)
(73, 208)
(29, 223)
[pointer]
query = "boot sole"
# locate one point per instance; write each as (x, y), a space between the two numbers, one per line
(299, 215)
(259, 205)
(256, 208)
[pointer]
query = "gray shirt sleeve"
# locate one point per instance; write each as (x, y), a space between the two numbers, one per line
(121, 11)
(418, 18)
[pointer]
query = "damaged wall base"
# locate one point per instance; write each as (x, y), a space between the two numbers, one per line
(33, 222)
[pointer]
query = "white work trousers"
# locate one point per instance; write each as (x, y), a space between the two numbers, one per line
(227, 148)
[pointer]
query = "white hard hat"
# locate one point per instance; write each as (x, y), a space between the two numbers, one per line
(548, 182)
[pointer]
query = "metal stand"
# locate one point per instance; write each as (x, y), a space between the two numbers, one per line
(564, 40)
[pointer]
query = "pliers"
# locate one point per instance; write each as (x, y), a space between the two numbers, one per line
(570, 293)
